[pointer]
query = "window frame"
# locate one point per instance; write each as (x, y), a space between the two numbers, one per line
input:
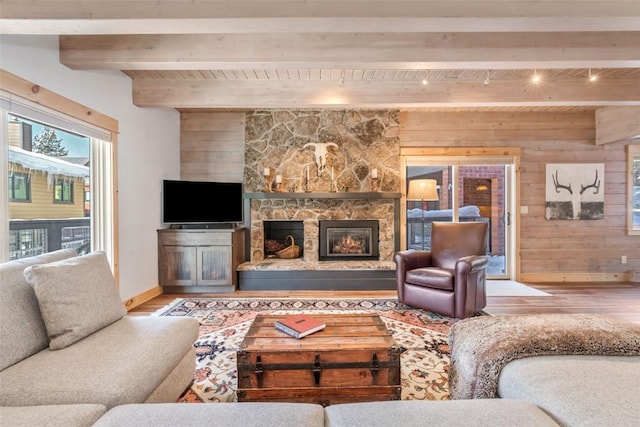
(63, 183)
(633, 155)
(12, 183)
(17, 97)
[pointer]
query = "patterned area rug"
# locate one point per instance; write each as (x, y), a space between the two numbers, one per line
(224, 322)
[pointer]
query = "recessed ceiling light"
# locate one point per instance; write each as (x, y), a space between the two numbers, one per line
(592, 77)
(486, 79)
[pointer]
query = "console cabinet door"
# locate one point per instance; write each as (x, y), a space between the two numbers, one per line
(214, 265)
(180, 264)
(199, 260)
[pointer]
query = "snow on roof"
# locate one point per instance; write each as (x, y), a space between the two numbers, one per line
(50, 165)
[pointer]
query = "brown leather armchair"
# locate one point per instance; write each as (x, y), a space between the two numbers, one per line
(450, 278)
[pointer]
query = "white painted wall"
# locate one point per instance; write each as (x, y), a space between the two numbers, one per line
(148, 147)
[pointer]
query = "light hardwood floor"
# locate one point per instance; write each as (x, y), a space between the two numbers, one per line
(621, 300)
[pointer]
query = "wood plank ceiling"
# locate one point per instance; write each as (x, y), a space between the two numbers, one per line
(240, 54)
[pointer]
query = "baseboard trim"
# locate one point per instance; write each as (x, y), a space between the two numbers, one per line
(139, 299)
(575, 277)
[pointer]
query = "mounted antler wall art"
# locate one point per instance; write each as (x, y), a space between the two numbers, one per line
(320, 149)
(574, 191)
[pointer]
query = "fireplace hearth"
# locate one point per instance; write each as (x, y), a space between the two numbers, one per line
(344, 240)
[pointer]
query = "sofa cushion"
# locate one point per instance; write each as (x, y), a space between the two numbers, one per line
(445, 413)
(577, 390)
(122, 363)
(76, 296)
(51, 415)
(22, 330)
(230, 414)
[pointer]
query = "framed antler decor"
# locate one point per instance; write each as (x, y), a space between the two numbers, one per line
(574, 191)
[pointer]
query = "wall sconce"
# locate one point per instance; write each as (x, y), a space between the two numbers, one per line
(482, 187)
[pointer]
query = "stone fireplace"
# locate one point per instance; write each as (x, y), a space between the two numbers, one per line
(274, 216)
(341, 165)
(346, 240)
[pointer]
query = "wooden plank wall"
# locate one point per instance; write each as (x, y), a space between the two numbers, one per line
(570, 250)
(212, 146)
(616, 123)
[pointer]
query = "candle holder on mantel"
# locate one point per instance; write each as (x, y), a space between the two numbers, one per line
(267, 184)
(375, 182)
(278, 183)
(267, 180)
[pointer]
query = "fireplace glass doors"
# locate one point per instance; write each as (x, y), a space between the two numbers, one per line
(344, 240)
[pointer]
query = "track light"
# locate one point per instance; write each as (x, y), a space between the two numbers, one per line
(486, 79)
(536, 77)
(592, 77)
(425, 81)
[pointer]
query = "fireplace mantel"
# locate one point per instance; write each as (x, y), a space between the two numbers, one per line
(337, 195)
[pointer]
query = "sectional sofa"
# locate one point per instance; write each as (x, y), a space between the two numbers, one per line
(105, 369)
(66, 338)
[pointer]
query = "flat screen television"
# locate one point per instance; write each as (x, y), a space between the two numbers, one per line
(201, 202)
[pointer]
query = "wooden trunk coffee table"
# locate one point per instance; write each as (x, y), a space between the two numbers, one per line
(353, 359)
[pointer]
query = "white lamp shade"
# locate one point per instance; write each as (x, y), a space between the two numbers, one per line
(423, 189)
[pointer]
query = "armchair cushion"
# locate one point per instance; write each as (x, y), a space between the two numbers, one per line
(433, 277)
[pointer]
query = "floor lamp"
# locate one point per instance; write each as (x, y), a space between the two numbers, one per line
(423, 190)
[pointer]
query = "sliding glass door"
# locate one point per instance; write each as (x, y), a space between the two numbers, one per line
(467, 189)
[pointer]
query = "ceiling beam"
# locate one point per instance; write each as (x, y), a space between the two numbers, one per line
(352, 50)
(251, 94)
(237, 16)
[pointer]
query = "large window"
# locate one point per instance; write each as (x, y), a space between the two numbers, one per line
(633, 184)
(63, 166)
(53, 164)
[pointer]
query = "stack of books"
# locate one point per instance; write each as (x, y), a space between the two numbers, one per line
(300, 325)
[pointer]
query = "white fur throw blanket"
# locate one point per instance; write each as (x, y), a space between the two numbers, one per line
(482, 346)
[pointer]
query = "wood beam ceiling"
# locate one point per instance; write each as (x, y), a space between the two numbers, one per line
(352, 50)
(180, 53)
(269, 16)
(381, 94)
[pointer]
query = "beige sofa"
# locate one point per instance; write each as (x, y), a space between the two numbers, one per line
(66, 339)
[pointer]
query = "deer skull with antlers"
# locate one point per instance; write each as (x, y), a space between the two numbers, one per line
(320, 154)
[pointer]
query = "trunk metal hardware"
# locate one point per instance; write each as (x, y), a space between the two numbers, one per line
(317, 370)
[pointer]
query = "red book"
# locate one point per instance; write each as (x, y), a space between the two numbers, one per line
(300, 325)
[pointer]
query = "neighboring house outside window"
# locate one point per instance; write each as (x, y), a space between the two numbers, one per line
(62, 191)
(19, 187)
